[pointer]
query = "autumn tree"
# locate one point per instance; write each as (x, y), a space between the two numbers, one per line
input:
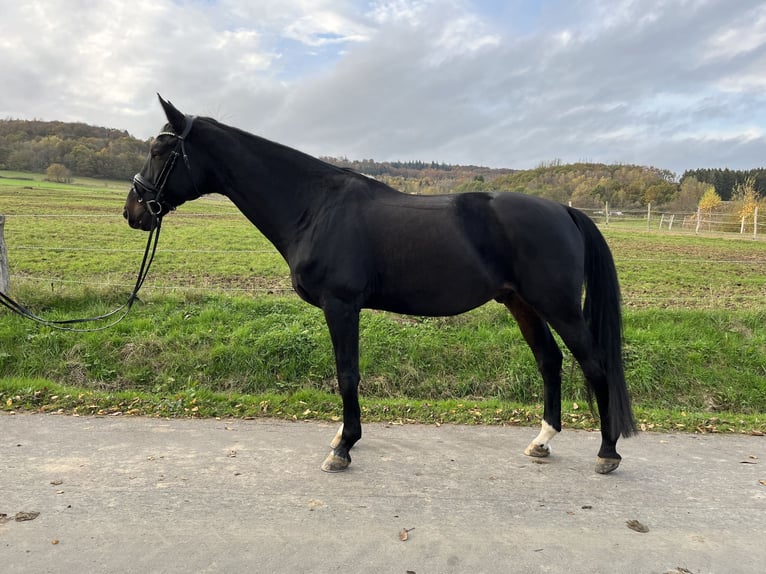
(709, 202)
(690, 192)
(746, 198)
(59, 173)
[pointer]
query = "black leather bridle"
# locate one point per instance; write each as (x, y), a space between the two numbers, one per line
(149, 193)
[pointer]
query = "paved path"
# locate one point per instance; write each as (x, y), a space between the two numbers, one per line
(151, 495)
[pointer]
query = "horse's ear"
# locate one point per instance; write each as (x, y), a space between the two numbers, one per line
(176, 119)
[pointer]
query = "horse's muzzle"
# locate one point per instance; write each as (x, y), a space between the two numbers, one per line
(136, 213)
(145, 221)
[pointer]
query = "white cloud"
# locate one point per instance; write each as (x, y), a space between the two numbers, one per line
(326, 27)
(746, 33)
(395, 11)
(676, 84)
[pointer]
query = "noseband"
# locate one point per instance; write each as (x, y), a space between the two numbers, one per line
(150, 193)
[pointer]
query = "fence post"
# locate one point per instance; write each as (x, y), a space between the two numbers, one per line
(672, 218)
(606, 213)
(648, 215)
(699, 220)
(4, 277)
(755, 223)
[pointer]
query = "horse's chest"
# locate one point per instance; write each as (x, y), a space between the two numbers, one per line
(339, 271)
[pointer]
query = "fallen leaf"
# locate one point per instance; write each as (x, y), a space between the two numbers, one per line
(404, 534)
(757, 433)
(57, 482)
(4, 518)
(637, 526)
(763, 482)
(24, 516)
(55, 541)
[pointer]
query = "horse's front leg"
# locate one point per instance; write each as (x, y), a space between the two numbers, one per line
(343, 322)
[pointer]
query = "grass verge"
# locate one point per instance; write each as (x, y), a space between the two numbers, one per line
(42, 396)
(271, 356)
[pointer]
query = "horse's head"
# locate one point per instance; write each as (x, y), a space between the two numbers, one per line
(163, 183)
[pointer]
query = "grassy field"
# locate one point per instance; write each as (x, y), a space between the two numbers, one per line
(220, 334)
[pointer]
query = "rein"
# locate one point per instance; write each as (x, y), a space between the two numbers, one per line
(157, 208)
(66, 324)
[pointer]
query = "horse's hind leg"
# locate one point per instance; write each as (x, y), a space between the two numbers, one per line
(548, 356)
(578, 339)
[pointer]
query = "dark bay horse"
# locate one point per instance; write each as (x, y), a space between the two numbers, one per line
(352, 243)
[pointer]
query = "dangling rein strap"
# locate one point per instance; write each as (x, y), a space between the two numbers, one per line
(146, 263)
(65, 325)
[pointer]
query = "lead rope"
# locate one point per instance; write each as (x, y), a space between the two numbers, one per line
(63, 325)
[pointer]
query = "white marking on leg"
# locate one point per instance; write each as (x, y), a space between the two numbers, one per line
(338, 436)
(547, 432)
(540, 446)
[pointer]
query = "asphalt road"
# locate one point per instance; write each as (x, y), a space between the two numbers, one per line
(119, 494)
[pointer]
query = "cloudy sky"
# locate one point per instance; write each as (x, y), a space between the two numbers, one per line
(502, 83)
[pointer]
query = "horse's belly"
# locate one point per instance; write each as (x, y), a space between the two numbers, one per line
(437, 297)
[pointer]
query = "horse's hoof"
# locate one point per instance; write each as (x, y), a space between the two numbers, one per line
(606, 465)
(537, 450)
(335, 463)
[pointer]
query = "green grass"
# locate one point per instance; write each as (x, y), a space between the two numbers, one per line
(40, 395)
(211, 340)
(698, 361)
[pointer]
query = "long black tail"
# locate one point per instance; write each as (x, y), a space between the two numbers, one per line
(602, 310)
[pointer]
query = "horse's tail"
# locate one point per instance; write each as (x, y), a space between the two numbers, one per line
(603, 313)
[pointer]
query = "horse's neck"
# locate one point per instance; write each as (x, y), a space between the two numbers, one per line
(274, 189)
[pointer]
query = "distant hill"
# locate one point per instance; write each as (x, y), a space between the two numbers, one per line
(418, 176)
(413, 169)
(588, 184)
(92, 151)
(33, 145)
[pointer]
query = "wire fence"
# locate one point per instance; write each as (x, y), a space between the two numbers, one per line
(708, 293)
(722, 222)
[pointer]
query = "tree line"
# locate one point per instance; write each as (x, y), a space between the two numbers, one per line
(727, 181)
(84, 150)
(591, 185)
(64, 149)
(587, 184)
(416, 169)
